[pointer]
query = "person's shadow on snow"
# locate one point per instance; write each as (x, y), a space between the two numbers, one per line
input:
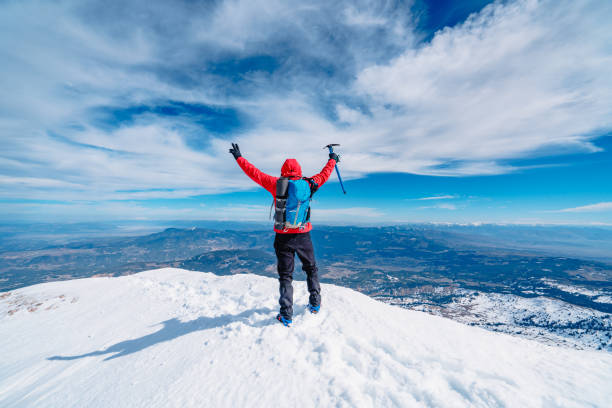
(172, 329)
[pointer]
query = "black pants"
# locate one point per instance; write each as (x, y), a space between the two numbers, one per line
(286, 246)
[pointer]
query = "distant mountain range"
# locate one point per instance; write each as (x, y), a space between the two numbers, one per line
(462, 272)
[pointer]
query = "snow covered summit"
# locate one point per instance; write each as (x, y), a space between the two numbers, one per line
(174, 338)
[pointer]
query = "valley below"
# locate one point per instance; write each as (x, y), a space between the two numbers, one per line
(564, 300)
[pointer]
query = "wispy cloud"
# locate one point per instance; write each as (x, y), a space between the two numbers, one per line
(603, 206)
(442, 206)
(139, 210)
(353, 214)
(440, 197)
(479, 92)
(91, 90)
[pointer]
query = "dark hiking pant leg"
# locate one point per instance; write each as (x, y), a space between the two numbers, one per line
(305, 252)
(285, 256)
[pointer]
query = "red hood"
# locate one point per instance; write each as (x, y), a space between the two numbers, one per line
(291, 168)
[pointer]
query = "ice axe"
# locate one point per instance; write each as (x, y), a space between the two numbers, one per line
(331, 150)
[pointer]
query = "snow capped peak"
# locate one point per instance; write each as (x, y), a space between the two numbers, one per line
(171, 337)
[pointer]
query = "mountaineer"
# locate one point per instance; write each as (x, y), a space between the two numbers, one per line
(292, 194)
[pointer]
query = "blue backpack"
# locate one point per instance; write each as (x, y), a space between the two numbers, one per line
(293, 202)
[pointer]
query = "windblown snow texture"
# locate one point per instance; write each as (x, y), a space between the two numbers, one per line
(173, 338)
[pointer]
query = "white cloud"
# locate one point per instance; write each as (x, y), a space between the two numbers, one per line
(348, 115)
(521, 78)
(354, 214)
(355, 17)
(63, 59)
(440, 197)
(36, 182)
(442, 206)
(95, 211)
(516, 80)
(128, 210)
(604, 206)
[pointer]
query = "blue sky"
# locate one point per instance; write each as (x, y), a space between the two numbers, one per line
(459, 112)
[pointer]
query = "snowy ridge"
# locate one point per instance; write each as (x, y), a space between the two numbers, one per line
(597, 295)
(174, 338)
(551, 321)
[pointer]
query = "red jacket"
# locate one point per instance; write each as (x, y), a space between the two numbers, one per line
(291, 168)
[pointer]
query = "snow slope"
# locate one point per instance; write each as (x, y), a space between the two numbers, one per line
(174, 338)
(541, 318)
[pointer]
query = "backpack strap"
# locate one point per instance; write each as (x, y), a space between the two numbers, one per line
(313, 185)
(313, 189)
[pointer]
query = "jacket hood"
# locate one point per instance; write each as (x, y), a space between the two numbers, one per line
(291, 168)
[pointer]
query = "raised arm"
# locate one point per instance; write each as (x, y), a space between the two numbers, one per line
(265, 180)
(323, 176)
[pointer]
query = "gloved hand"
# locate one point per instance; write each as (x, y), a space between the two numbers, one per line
(235, 150)
(335, 157)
